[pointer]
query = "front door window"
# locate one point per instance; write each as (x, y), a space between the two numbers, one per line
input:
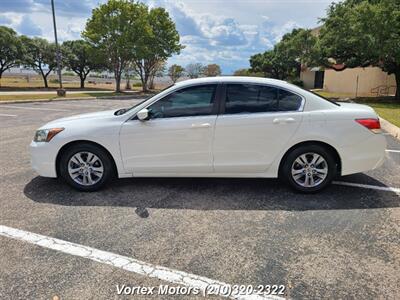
(187, 102)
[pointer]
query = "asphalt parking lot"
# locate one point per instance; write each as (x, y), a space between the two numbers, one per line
(341, 243)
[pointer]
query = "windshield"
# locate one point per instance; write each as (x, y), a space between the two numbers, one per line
(124, 110)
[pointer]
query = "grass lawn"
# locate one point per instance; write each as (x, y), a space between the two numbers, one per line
(54, 96)
(20, 83)
(35, 82)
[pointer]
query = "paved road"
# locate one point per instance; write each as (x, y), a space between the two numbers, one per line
(341, 243)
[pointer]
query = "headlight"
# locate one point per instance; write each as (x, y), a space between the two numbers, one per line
(45, 135)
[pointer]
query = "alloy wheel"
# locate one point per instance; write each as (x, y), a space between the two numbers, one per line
(85, 168)
(309, 169)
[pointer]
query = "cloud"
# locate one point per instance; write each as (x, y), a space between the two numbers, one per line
(71, 32)
(68, 7)
(223, 40)
(17, 6)
(28, 27)
(211, 31)
(219, 30)
(222, 31)
(4, 20)
(270, 33)
(185, 23)
(280, 31)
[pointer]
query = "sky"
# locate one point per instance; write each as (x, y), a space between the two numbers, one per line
(226, 32)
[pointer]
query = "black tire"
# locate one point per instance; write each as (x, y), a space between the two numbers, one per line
(289, 160)
(105, 160)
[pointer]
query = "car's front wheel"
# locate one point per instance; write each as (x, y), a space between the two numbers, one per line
(309, 168)
(86, 167)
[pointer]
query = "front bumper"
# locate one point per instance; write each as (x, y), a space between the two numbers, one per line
(43, 159)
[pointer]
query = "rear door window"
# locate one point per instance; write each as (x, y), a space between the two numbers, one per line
(252, 98)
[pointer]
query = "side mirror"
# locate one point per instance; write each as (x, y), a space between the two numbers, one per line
(143, 114)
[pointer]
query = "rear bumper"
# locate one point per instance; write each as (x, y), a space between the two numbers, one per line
(43, 159)
(363, 156)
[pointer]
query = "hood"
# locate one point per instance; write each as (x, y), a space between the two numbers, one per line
(89, 116)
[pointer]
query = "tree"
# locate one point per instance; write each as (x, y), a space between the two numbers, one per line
(175, 72)
(284, 61)
(117, 28)
(11, 51)
(363, 33)
(194, 70)
(299, 47)
(81, 57)
(160, 42)
(272, 64)
(158, 71)
(128, 73)
(247, 72)
(212, 70)
(40, 55)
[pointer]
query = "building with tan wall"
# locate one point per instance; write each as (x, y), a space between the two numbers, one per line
(351, 82)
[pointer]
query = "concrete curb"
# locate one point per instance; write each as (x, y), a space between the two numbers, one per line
(127, 97)
(390, 128)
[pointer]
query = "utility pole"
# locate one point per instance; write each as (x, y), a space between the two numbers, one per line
(60, 91)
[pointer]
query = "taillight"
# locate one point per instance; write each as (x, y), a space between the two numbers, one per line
(372, 124)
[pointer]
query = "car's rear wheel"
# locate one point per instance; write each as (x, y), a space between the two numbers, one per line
(86, 167)
(309, 168)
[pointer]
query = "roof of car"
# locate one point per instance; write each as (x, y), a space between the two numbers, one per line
(228, 79)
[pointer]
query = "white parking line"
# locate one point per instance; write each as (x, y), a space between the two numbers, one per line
(31, 108)
(124, 262)
(6, 115)
(368, 186)
(394, 151)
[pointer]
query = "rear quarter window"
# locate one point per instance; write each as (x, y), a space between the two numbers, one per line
(287, 101)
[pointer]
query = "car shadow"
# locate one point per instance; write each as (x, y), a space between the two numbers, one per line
(209, 194)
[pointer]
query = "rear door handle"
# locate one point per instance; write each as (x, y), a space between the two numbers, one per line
(201, 125)
(283, 120)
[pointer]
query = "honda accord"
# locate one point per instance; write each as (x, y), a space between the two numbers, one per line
(215, 127)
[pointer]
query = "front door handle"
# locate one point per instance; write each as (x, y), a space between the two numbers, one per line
(283, 120)
(201, 125)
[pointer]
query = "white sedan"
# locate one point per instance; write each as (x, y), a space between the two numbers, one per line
(215, 127)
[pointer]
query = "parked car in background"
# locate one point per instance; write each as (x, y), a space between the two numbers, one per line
(215, 127)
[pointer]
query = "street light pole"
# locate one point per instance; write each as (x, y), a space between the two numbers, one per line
(60, 91)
